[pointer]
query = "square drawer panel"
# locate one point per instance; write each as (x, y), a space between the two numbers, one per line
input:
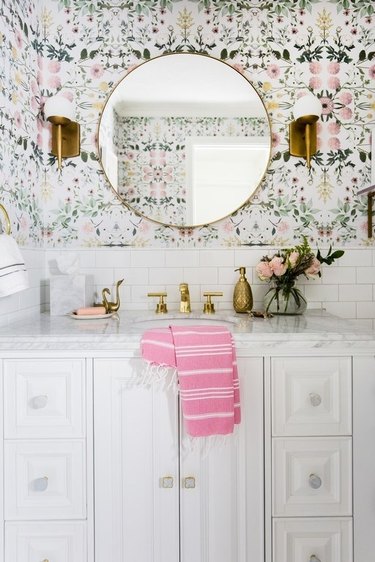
(312, 540)
(312, 476)
(45, 480)
(44, 398)
(45, 540)
(311, 396)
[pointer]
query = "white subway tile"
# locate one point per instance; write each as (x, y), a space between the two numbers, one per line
(365, 275)
(147, 258)
(182, 258)
(133, 275)
(227, 276)
(366, 309)
(198, 275)
(340, 275)
(112, 258)
(342, 309)
(321, 292)
(170, 275)
(355, 293)
(356, 258)
(217, 258)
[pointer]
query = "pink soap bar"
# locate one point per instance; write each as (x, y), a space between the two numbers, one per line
(90, 311)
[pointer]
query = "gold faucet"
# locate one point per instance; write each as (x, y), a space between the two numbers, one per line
(109, 305)
(185, 298)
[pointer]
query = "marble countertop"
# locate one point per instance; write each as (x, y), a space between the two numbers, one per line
(315, 329)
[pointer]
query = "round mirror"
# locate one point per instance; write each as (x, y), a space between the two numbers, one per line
(184, 139)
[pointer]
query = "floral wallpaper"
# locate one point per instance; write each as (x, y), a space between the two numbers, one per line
(286, 48)
(152, 158)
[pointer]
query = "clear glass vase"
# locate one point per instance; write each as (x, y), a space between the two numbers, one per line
(284, 301)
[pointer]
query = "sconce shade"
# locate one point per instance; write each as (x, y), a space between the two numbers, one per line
(65, 131)
(307, 105)
(59, 106)
(302, 131)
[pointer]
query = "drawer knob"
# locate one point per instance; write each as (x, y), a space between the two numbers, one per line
(189, 482)
(40, 484)
(39, 402)
(315, 482)
(314, 558)
(167, 482)
(315, 399)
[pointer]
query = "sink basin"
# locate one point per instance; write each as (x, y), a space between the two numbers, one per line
(159, 321)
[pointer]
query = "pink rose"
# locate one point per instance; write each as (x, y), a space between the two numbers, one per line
(96, 70)
(54, 82)
(371, 71)
(263, 270)
(334, 68)
(315, 67)
(346, 113)
(273, 71)
(346, 98)
(54, 66)
(314, 268)
(315, 82)
(334, 128)
(275, 139)
(293, 258)
(334, 143)
(278, 266)
(333, 83)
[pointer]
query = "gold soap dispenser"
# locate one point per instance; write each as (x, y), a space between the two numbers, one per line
(242, 295)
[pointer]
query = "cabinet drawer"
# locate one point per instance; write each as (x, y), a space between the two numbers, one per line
(311, 396)
(44, 398)
(312, 540)
(45, 480)
(37, 542)
(312, 476)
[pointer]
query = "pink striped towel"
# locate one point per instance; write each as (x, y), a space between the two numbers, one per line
(205, 359)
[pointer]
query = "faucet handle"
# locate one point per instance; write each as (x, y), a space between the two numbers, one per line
(209, 307)
(161, 307)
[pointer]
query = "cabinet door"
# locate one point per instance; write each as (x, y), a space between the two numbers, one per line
(136, 467)
(222, 491)
(364, 457)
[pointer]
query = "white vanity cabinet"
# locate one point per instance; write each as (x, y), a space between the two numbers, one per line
(155, 500)
(44, 507)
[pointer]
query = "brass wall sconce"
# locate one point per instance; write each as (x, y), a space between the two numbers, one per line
(65, 131)
(302, 131)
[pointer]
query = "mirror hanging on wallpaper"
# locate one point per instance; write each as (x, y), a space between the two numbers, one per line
(184, 139)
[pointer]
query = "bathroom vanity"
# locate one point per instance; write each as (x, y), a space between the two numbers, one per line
(97, 468)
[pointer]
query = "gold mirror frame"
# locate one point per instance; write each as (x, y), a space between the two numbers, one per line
(187, 226)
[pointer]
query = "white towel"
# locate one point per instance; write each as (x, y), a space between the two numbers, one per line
(13, 274)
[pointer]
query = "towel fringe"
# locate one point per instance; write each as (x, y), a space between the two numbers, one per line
(159, 376)
(204, 445)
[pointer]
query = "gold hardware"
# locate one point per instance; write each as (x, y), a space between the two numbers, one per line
(161, 307)
(167, 482)
(209, 307)
(65, 138)
(111, 306)
(7, 228)
(185, 298)
(189, 482)
(370, 191)
(302, 137)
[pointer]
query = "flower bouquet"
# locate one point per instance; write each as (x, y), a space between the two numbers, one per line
(282, 270)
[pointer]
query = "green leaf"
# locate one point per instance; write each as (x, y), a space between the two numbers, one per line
(93, 54)
(362, 55)
(277, 55)
(138, 54)
(93, 156)
(286, 156)
(25, 29)
(286, 55)
(25, 144)
(84, 156)
(371, 55)
(146, 54)
(224, 54)
(232, 54)
(84, 54)
(362, 156)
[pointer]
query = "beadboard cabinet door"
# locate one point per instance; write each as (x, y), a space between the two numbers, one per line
(136, 467)
(156, 500)
(222, 490)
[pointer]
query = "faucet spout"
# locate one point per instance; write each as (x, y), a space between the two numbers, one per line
(185, 298)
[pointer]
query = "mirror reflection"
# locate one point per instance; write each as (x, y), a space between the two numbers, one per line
(184, 139)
